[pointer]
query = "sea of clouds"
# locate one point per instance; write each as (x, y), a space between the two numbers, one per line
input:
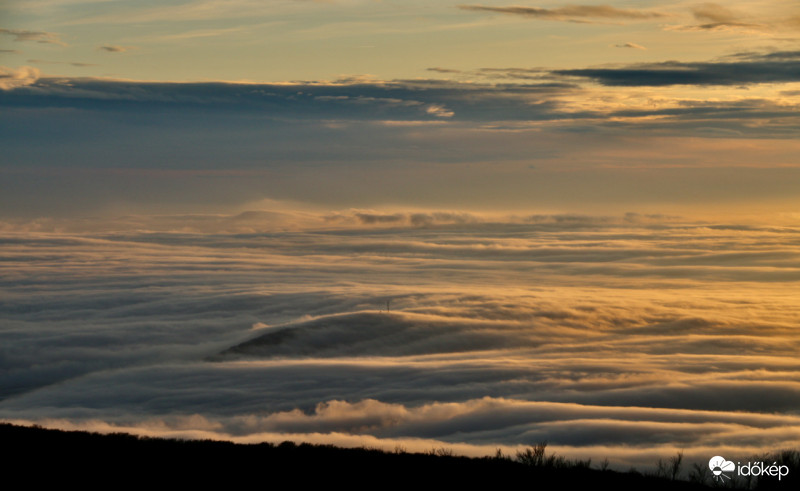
(627, 338)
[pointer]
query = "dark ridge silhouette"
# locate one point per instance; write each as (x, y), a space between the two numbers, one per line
(54, 456)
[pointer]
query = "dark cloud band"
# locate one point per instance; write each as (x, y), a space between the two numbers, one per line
(780, 67)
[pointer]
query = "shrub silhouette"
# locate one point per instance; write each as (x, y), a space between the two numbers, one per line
(536, 457)
(671, 468)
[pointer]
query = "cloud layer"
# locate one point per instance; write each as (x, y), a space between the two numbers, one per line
(498, 138)
(629, 337)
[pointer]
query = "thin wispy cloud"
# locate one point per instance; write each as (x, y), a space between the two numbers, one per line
(443, 70)
(42, 37)
(191, 11)
(630, 45)
(721, 17)
(714, 16)
(573, 13)
(70, 63)
(115, 48)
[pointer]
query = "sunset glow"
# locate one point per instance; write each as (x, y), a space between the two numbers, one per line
(584, 220)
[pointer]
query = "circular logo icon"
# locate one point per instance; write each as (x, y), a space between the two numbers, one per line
(718, 465)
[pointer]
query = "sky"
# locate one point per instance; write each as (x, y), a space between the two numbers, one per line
(115, 107)
(584, 215)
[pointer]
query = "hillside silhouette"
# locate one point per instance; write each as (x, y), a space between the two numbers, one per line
(58, 457)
